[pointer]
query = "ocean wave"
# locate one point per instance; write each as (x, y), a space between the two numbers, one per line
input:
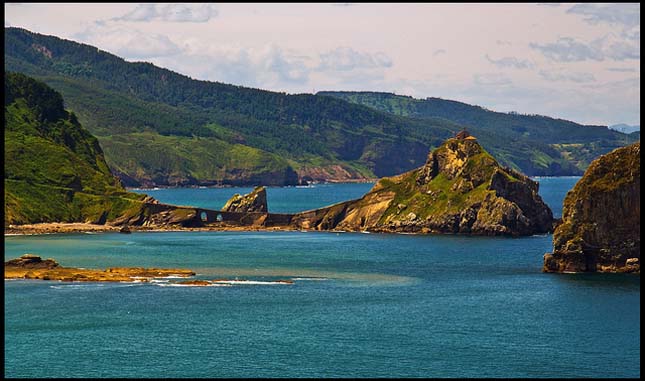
(309, 278)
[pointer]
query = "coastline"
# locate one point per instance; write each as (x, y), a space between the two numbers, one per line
(80, 227)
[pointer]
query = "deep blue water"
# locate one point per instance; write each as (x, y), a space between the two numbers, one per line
(377, 305)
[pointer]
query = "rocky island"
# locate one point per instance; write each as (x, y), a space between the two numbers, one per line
(600, 230)
(461, 189)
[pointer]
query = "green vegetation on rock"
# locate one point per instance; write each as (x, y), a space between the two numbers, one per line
(461, 189)
(54, 168)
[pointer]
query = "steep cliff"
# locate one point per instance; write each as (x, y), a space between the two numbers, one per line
(54, 168)
(600, 228)
(460, 190)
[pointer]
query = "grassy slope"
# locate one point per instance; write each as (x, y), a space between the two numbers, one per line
(438, 196)
(54, 169)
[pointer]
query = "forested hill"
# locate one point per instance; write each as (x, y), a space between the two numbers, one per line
(158, 127)
(54, 169)
(215, 132)
(581, 142)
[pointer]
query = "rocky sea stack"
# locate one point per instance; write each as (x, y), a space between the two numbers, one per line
(461, 189)
(600, 228)
(256, 201)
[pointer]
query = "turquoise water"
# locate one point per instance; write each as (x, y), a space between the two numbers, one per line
(279, 199)
(362, 305)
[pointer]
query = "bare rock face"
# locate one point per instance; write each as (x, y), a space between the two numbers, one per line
(460, 190)
(256, 201)
(600, 230)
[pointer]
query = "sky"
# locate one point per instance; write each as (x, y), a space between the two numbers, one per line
(579, 62)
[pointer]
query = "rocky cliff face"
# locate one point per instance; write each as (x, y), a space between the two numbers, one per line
(460, 190)
(256, 201)
(600, 228)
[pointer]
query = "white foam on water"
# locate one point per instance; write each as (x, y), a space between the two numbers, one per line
(310, 278)
(158, 281)
(249, 282)
(191, 285)
(171, 277)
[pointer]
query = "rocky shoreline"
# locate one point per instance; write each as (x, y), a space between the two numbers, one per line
(77, 227)
(33, 267)
(30, 266)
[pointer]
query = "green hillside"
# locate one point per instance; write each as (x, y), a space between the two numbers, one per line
(113, 97)
(158, 127)
(578, 144)
(54, 168)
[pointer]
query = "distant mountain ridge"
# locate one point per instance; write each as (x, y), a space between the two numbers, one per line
(158, 127)
(625, 128)
(578, 143)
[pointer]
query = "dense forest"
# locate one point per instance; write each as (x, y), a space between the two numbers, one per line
(159, 127)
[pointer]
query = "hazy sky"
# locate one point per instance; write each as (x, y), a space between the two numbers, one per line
(573, 61)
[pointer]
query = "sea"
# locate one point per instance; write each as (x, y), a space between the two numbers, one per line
(360, 305)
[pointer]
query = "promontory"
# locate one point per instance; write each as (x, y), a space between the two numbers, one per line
(461, 189)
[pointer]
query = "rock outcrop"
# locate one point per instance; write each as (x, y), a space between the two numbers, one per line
(31, 266)
(31, 261)
(460, 190)
(254, 202)
(600, 230)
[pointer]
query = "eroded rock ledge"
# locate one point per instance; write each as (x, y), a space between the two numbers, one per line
(30, 266)
(600, 230)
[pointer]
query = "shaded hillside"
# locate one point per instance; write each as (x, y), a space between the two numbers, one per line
(316, 136)
(548, 140)
(54, 168)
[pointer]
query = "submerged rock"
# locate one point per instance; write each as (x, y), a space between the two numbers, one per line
(460, 190)
(600, 229)
(256, 201)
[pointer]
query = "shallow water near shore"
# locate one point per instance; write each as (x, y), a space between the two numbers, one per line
(360, 305)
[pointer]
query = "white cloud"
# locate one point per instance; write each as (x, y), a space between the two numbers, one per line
(347, 59)
(625, 14)
(565, 75)
(608, 47)
(129, 43)
(266, 67)
(510, 62)
(491, 79)
(170, 12)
